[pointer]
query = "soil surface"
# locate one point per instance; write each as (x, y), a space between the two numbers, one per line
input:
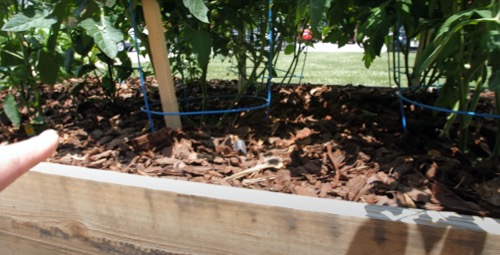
(333, 142)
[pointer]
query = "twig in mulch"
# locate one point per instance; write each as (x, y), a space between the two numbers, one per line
(336, 163)
(257, 180)
(272, 162)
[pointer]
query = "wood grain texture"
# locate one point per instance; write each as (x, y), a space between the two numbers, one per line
(75, 210)
(161, 63)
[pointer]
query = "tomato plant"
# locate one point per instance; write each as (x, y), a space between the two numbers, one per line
(462, 48)
(458, 41)
(30, 54)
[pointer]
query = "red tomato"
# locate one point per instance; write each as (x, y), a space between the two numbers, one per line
(307, 35)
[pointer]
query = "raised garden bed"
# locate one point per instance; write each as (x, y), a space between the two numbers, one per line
(322, 144)
(59, 209)
(337, 142)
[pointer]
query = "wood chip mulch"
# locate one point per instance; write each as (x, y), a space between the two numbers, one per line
(333, 142)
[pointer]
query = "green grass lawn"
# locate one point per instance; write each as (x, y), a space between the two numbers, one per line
(323, 68)
(337, 68)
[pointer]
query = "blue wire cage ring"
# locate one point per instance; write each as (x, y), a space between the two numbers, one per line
(263, 103)
(445, 110)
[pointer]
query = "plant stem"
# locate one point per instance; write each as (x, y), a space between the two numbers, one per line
(496, 149)
(30, 80)
(463, 88)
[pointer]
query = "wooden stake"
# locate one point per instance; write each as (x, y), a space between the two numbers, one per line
(161, 63)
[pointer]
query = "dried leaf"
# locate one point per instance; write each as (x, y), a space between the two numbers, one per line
(304, 133)
(166, 161)
(489, 191)
(418, 196)
(305, 191)
(354, 185)
(325, 189)
(451, 201)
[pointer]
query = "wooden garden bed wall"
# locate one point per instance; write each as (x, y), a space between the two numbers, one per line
(58, 209)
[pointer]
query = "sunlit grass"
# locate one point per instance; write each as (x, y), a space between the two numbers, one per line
(337, 68)
(323, 68)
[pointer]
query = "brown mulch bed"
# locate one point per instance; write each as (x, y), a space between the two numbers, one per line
(333, 142)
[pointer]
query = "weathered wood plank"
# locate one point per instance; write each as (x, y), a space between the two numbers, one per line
(81, 211)
(13, 244)
(161, 64)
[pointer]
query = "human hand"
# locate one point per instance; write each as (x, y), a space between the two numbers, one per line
(18, 158)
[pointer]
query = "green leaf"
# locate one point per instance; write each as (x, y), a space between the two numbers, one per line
(317, 11)
(76, 89)
(69, 59)
(105, 59)
(289, 49)
(405, 7)
(84, 69)
(11, 110)
(10, 55)
(372, 33)
(82, 43)
(494, 81)
(448, 96)
(273, 72)
(104, 34)
(493, 41)
(85, 9)
(110, 3)
(48, 67)
(108, 86)
(34, 16)
(38, 120)
(124, 70)
(81, 6)
(368, 57)
(201, 43)
(447, 35)
(61, 9)
(198, 9)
